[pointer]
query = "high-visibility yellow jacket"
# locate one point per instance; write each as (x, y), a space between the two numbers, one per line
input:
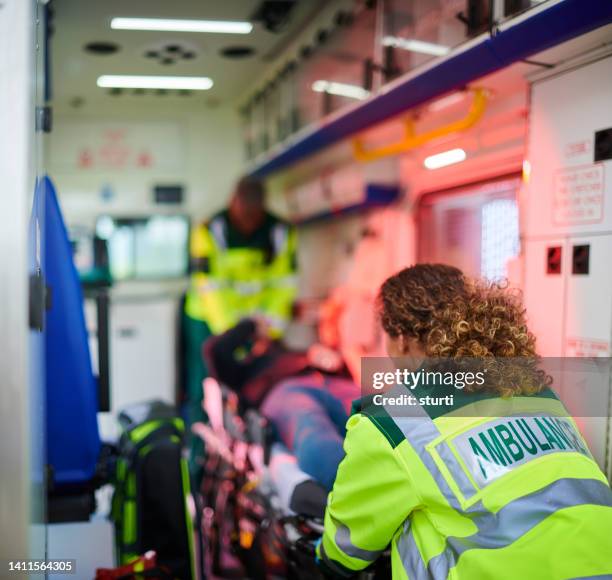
(513, 495)
(234, 276)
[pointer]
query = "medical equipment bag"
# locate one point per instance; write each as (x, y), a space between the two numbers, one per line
(149, 507)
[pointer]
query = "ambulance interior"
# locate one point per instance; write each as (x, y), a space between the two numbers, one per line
(379, 130)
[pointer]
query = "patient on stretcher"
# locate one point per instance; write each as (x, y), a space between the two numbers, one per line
(306, 396)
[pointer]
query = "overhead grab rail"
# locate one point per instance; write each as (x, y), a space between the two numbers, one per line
(545, 25)
(412, 140)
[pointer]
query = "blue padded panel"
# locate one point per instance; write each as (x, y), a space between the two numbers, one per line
(73, 440)
(376, 195)
(36, 359)
(539, 31)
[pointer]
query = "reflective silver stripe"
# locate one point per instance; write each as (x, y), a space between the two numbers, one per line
(514, 520)
(280, 233)
(419, 430)
(335, 566)
(209, 285)
(242, 288)
(465, 485)
(283, 281)
(343, 541)
(410, 556)
(217, 229)
(248, 288)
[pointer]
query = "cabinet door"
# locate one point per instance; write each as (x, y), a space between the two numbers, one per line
(588, 327)
(142, 352)
(546, 263)
(588, 309)
(569, 191)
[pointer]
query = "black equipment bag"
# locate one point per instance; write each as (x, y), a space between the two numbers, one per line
(149, 507)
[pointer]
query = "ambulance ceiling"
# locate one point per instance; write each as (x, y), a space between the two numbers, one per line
(558, 31)
(77, 24)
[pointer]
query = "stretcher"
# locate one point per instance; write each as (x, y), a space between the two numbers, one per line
(262, 515)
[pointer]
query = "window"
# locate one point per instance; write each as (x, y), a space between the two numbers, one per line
(500, 237)
(475, 228)
(146, 248)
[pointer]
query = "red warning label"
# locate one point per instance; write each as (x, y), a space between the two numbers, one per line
(586, 347)
(578, 195)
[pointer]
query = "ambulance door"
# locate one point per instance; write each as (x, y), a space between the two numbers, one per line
(23, 532)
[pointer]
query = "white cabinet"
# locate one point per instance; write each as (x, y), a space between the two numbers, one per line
(569, 192)
(567, 240)
(143, 353)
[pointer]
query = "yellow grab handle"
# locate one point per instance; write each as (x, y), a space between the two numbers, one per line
(412, 140)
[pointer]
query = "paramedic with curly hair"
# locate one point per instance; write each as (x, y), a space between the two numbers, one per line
(501, 485)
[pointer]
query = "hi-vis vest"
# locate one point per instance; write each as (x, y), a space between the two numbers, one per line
(515, 495)
(230, 282)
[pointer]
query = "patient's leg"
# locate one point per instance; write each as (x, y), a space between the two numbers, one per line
(302, 416)
(285, 473)
(295, 489)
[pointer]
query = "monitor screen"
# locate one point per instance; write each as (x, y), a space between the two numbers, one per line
(150, 247)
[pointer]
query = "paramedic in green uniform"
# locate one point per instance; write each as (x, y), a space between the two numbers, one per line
(242, 263)
(501, 485)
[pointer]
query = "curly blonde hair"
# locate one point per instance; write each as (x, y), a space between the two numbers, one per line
(455, 317)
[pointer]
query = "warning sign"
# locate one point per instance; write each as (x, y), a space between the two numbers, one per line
(577, 149)
(586, 347)
(578, 195)
(113, 146)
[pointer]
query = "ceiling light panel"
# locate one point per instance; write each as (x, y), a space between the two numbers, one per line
(175, 25)
(154, 82)
(340, 89)
(413, 45)
(445, 158)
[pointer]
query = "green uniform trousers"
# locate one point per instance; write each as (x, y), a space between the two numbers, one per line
(195, 334)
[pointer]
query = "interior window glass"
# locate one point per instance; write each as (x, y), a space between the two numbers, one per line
(474, 228)
(146, 248)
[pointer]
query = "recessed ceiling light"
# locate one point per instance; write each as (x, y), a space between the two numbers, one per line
(340, 89)
(174, 25)
(155, 82)
(445, 158)
(416, 45)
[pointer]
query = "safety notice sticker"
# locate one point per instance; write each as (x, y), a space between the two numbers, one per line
(578, 195)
